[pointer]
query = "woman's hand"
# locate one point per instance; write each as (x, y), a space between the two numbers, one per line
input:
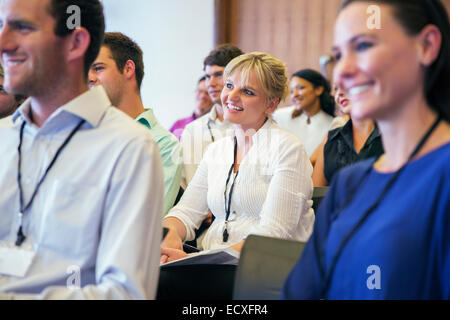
(238, 246)
(172, 241)
(169, 254)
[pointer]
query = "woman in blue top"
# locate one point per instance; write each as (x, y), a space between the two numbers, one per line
(383, 230)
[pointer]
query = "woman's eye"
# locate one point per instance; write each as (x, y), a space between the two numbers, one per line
(337, 56)
(250, 93)
(229, 86)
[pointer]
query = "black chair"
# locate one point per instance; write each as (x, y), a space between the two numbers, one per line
(264, 265)
(318, 194)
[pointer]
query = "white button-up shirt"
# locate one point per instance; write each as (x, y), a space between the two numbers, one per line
(96, 219)
(312, 134)
(196, 138)
(271, 196)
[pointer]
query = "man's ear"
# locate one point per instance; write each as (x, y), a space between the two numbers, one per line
(129, 70)
(272, 105)
(429, 43)
(78, 43)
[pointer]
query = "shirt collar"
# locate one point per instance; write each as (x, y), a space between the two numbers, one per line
(149, 116)
(375, 134)
(262, 131)
(345, 129)
(213, 113)
(347, 134)
(22, 111)
(262, 135)
(90, 106)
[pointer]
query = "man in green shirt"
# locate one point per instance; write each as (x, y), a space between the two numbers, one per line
(119, 68)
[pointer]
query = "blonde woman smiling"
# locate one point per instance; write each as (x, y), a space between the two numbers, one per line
(255, 182)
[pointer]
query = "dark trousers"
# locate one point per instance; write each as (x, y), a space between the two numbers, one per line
(196, 282)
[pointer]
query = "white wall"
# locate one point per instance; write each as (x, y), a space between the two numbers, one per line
(175, 36)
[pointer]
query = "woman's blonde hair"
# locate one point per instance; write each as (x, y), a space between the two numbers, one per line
(270, 72)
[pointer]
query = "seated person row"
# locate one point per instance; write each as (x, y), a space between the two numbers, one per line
(356, 140)
(119, 68)
(312, 113)
(203, 106)
(257, 181)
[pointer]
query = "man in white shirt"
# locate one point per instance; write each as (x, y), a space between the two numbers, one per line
(199, 134)
(80, 211)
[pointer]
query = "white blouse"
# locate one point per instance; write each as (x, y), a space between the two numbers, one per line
(312, 134)
(271, 196)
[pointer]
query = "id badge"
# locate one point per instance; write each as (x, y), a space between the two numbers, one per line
(15, 261)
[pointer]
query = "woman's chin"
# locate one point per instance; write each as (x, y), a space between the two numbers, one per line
(345, 110)
(359, 114)
(228, 117)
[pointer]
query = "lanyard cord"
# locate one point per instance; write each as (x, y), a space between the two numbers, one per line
(388, 186)
(228, 208)
(210, 131)
(20, 236)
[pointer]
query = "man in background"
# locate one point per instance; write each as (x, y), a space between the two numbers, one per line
(8, 102)
(119, 68)
(198, 134)
(203, 106)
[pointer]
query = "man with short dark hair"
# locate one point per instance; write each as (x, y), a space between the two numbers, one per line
(80, 211)
(198, 134)
(119, 68)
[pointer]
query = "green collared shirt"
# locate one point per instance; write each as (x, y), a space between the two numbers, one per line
(169, 148)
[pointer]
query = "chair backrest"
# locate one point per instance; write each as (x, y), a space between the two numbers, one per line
(318, 194)
(264, 265)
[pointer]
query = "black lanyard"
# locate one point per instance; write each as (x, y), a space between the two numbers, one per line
(230, 195)
(328, 275)
(20, 236)
(210, 131)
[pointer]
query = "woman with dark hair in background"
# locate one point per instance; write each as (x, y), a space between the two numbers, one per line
(352, 142)
(382, 231)
(313, 110)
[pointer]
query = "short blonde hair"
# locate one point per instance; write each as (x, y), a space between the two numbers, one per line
(270, 72)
